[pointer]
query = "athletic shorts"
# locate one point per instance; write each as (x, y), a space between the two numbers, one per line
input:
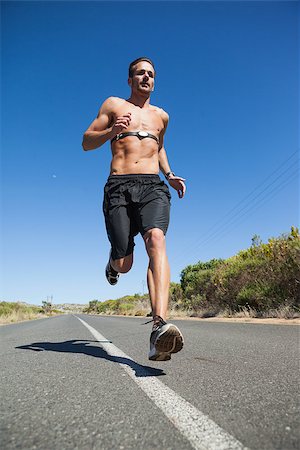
(134, 204)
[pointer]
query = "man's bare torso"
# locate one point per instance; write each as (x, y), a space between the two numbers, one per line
(131, 154)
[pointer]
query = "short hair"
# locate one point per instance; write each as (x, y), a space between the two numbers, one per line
(134, 63)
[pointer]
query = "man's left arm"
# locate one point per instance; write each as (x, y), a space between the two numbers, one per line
(176, 182)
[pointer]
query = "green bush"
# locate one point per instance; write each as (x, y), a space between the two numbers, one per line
(125, 308)
(123, 305)
(263, 276)
(7, 308)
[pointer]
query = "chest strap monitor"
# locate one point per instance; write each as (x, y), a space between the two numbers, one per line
(139, 134)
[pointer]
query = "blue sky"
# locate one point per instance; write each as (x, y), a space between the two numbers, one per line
(227, 74)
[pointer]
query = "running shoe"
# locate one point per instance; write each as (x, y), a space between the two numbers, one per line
(165, 339)
(111, 274)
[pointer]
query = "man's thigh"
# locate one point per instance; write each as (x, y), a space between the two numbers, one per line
(121, 230)
(154, 214)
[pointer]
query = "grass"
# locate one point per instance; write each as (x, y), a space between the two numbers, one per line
(142, 308)
(245, 312)
(12, 312)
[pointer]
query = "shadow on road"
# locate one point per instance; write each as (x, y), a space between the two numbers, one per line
(82, 346)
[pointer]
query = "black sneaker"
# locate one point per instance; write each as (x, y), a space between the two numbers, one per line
(111, 275)
(165, 339)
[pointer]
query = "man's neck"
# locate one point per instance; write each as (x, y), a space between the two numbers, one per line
(137, 100)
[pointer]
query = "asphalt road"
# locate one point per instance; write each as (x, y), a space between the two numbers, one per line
(63, 389)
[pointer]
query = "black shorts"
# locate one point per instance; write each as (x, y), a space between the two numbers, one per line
(134, 204)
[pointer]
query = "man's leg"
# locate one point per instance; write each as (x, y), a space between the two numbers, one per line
(152, 218)
(165, 338)
(117, 266)
(122, 265)
(121, 236)
(158, 274)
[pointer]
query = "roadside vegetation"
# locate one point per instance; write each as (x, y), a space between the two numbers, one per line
(17, 311)
(130, 305)
(261, 281)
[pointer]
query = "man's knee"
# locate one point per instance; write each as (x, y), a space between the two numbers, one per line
(123, 265)
(154, 238)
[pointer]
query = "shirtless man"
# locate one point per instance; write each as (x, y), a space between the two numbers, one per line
(135, 198)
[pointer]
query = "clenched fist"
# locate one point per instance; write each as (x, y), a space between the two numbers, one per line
(121, 123)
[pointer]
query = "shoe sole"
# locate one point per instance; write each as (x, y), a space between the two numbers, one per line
(160, 357)
(169, 342)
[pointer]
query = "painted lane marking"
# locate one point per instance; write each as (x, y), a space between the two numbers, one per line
(202, 432)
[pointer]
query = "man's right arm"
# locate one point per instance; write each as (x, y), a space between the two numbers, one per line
(99, 131)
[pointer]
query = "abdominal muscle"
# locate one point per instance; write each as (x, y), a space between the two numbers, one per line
(131, 155)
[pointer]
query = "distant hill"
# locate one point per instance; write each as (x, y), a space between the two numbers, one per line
(70, 307)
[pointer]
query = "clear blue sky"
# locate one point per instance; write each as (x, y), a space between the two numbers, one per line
(227, 74)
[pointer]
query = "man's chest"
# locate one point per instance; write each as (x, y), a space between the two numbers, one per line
(141, 119)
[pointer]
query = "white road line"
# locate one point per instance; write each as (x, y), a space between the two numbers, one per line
(202, 432)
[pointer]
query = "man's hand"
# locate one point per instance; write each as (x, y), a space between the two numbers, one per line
(121, 123)
(177, 183)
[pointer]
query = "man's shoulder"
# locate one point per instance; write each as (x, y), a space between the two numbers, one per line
(113, 101)
(164, 115)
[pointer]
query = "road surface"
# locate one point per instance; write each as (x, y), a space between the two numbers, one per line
(84, 382)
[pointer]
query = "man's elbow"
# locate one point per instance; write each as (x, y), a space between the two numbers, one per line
(85, 144)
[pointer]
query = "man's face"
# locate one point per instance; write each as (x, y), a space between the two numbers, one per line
(142, 80)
